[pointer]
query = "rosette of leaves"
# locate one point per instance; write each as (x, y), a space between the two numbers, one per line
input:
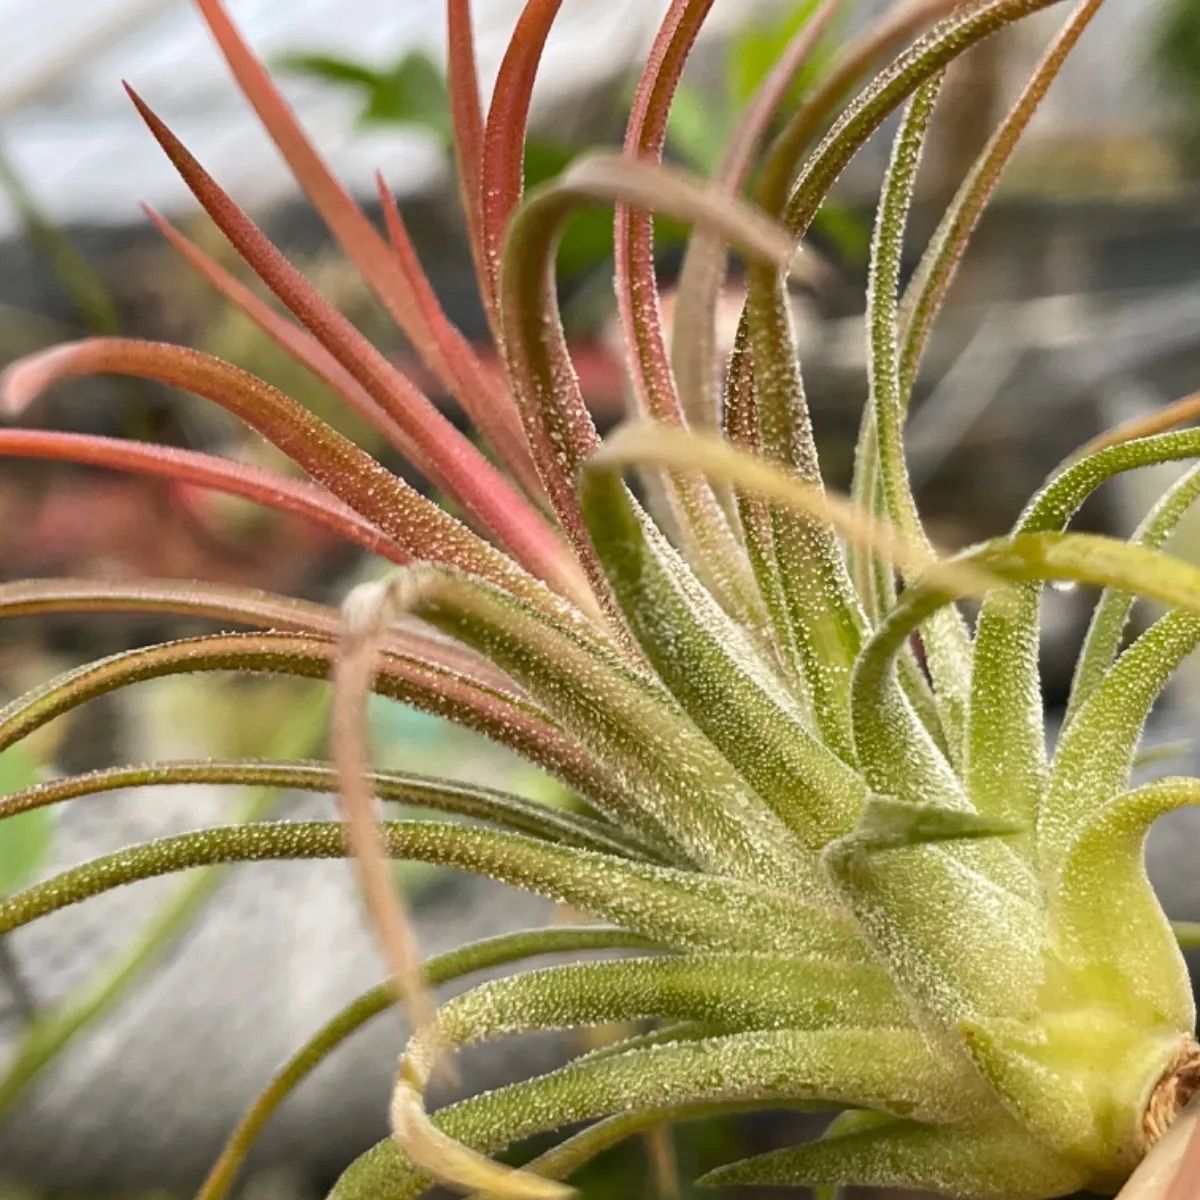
(819, 811)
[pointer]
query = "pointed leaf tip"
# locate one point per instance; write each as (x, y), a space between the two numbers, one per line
(890, 824)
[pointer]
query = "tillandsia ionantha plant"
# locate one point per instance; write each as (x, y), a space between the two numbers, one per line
(818, 810)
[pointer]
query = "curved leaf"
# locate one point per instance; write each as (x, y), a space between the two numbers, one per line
(627, 719)
(672, 907)
(947, 644)
(693, 340)
(476, 484)
(1006, 772)
(278, 492)
(710, 667)
(502, 166)
(935, 273)
(999, 1161)
(463, 960)
(888, 90)
(413, 522)
(559, 428)
(415, 677)
(885, 1068)
(419, 791)
(1109, 924)
(1103, 639)
(1095, 753)
(736, 992)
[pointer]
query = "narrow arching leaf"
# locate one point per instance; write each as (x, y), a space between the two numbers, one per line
(863, 115)
(466, 110)
(1108, 920)
(645, 444)
(672, 907)
(932, 280)
(418, 791)
(1109, 618)
(503, 161)
(1006, 772)
(994, 1162)
(685, 792)
(475, 483)
(268, 488)
(688, 502)
(401, 285)
(221, 602)
(1094, 757)
(559, 428)
(693, 335)
(714, 671)
(734, 992)
(946, 641)
(463, 960)
(411, 520)
(414, 676)
(881, 1068)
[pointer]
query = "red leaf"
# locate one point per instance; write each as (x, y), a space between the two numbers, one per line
(274, 491)
(484, 493)
(503, 166)
(415, 524)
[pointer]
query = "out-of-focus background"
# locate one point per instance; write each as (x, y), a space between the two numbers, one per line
(1079, 306)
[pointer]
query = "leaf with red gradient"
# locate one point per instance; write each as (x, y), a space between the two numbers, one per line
(557, 422)
(413, 678)
(484, 493)
(636, 282)
(693, 341)
(296, 341)
(452, 361)
(487, 400)
(466, 110)
(415, 524)
(691, 503)
(278, 492)
(503, 162)
(421, 791)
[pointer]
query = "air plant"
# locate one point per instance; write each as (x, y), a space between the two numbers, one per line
(818, 810)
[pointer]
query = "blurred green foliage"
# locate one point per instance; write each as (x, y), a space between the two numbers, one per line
(1175, 57)
(26, 839)
(412, 92)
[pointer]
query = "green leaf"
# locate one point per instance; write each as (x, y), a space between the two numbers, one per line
(1006, 730)
(1110, 924)
(910, 872)
(625, 717)
(946, 641)
(464, 960)
(1095, 753)
(412, 92)
(732, 992)
(888, 824)
(892, 1069)
(710, 666)
(997, 1161)
(673, 907)
(1111, 613)
(25, 839)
